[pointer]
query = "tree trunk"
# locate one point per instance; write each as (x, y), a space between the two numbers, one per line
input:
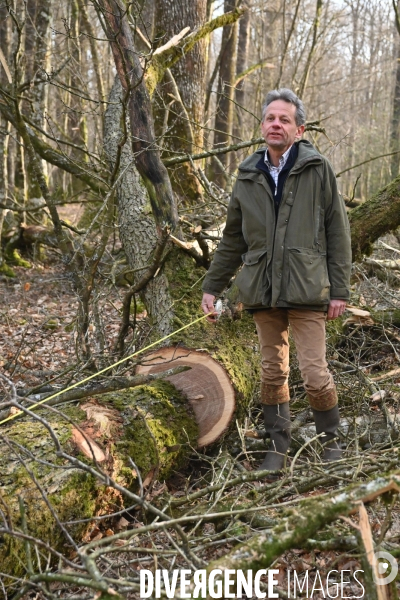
(226, 87)
(152, 425)
(4, 139)
(185, 116)
(37, 55)
(375, 217)
(147, 155)
(206, 386)
(146, 18)
(241, 65)
(395, 125)
(315, 27)
(137, 228)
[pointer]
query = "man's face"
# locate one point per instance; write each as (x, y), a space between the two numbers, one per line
(279, 127)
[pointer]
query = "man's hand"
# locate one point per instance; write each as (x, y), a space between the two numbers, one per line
(207, 304)
(336, 309)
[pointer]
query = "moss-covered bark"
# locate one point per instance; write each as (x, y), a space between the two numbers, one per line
(70, 492)
(232, 342)
(153, 426)
(375, 217)
(158, 431)
(301, 523)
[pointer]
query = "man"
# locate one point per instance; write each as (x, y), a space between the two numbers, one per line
(287, 226)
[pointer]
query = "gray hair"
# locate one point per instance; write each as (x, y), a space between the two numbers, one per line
(288, 96)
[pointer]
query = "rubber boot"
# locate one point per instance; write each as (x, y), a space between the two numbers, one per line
(327, 422)
(277, 427)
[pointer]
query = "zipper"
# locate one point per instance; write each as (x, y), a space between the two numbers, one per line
(316, 229)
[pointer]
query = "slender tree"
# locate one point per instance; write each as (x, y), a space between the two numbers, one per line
(226, 87)
(395, 125)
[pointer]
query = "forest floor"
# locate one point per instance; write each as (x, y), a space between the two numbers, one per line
(38, 310)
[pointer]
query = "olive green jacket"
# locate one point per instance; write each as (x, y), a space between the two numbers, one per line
(302, 258)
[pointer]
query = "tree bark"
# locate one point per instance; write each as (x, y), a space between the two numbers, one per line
(303, 523)
(153, 425)
(375, 217)
(137, 227)
(36, 52)
(147, 156)
(190, 72)
(226, 86)
(241, 65)
(189, 75)
(395, 125)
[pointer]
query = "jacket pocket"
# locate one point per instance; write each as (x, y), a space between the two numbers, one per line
(308, 277)
(252, 279)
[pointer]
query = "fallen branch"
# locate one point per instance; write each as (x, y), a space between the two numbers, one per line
(387, 375)
(115, 384)
(383, 264)
(304, 522)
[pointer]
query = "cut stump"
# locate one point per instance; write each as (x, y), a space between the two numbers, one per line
(207, 387)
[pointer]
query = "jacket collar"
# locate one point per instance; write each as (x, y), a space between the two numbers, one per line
(306, 154)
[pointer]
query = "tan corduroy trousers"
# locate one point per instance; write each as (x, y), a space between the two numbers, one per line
(308, 329)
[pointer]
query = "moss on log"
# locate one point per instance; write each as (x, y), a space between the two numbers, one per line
(150, 424)
(231, 341)
(159, 430)
(302, 522)
(69, 491)
(375, 217)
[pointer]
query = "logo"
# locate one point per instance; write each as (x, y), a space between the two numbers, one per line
(386, 564)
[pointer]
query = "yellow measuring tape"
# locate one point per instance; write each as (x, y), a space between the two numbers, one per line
(71, 387)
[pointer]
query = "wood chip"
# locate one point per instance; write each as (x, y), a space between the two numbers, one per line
(252, 433)
(378, 396)
(366, 536)
(87, 446)
(388, 375)
(358, 312)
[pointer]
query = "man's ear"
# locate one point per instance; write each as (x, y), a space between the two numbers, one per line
(300, 131)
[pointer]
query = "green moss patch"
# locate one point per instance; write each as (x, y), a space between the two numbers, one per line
(233, 342)
(30, 469)
(158, 430)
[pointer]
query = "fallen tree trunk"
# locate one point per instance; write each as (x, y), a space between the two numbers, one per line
(135, 436)
(152, 425)
(207, 387)
(375, 217)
